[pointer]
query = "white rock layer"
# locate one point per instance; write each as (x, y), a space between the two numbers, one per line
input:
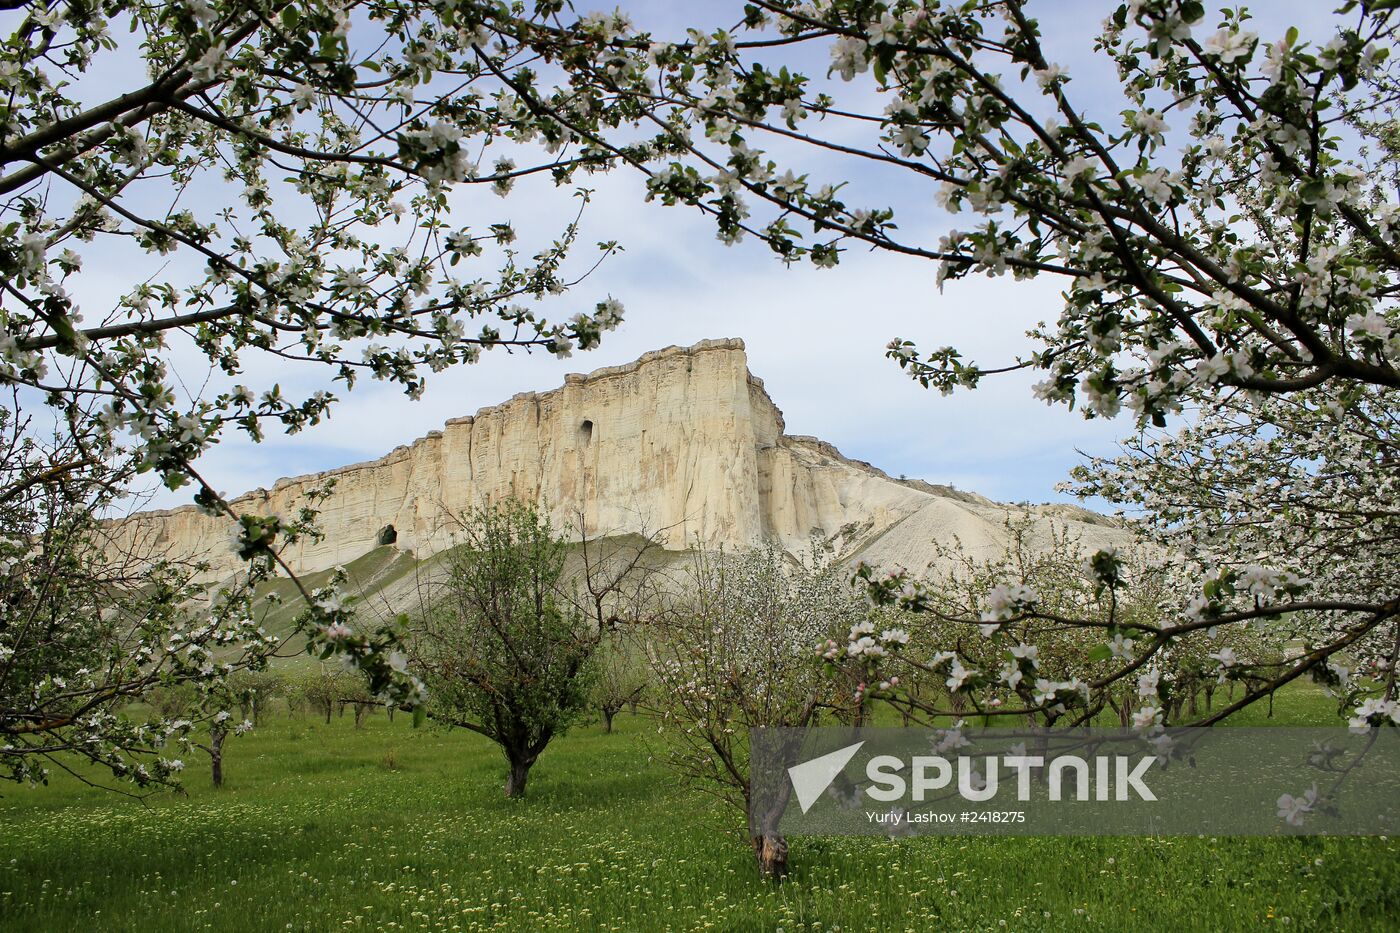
(683, 443)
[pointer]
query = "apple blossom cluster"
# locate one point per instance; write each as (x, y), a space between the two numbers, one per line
(1375, 712)
(1306, 481)
(1293, 810)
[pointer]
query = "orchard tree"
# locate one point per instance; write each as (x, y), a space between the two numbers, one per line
(622, 676)
(254, 691)
(92, 625)
(86, 630)
(1051, 666)
(505, 636)
(211, 708)
(1311, 475)
(221, 726)
(299, 170)
(322, 690)
(733, 652)
(1229, 222)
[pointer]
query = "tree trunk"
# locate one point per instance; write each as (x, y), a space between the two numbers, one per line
(216, 757)
(770, 850)
(328, 712)
(515, 780)
(608, 715)
(361, 710)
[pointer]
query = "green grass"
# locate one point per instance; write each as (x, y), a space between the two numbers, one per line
(323, 827)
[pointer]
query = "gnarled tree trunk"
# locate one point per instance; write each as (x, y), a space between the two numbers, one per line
(770, 850)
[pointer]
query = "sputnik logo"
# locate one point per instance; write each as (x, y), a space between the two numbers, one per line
(811, 778)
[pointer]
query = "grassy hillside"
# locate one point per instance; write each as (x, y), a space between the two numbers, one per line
(386, 580)
(370, 575)
(325, 827)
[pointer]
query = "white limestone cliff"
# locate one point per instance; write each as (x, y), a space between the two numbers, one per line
(684, 442)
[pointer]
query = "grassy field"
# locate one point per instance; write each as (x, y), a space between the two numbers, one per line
(325, 827)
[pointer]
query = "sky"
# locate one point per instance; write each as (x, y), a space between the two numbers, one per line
(815, 337)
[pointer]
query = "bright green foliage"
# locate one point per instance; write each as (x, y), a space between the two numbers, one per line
(502, 648)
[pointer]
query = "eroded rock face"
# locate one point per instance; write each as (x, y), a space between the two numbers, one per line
(683, 443)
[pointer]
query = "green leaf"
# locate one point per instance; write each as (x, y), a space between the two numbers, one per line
(1101, 653)
(67, 335)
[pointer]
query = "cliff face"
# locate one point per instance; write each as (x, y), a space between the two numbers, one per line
(683, 443)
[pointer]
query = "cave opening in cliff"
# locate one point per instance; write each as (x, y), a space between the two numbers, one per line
(388, 535)
(585, 433)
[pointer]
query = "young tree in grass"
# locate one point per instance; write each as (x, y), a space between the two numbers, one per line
(505, 649)
(221, 726)
(254, 692)
(622, 677)
(734, 652)
(195, 711)
(353, 692)
(327, 690)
